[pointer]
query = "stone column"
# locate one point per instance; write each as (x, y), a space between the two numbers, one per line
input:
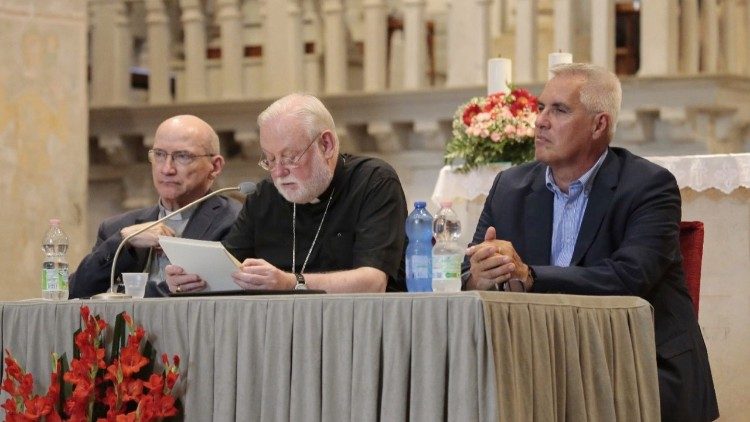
(282, 47)
(468, 38)
(526, 41)
(690, 37)
(158, 52)
(729, 42)
(710, 24)
(334, 47)
(194, 26)
(44, 132)
(659, 38)
(603, 33)
(563, 23)
(311, 42)
(376, 34)
(415, 51)
(111, 51)
(230, 22)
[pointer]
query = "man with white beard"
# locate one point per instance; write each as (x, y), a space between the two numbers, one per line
(323, 220)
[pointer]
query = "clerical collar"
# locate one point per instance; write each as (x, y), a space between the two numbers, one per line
(184, 215)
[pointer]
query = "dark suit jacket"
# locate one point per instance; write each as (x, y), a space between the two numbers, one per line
(628, 244)
(211, 221)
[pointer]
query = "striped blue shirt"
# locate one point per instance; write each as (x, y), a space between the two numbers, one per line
(568, 213)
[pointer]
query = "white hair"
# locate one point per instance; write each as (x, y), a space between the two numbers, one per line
(308, 109)
(601, 91)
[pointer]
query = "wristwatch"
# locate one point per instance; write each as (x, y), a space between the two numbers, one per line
(300, 282)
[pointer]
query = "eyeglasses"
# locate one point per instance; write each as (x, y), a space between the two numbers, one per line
(183, 158)
(287, 162)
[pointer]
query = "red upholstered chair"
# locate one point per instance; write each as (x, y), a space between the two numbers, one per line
(691, 246)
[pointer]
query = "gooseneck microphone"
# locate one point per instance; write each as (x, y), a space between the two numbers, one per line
(245, 188)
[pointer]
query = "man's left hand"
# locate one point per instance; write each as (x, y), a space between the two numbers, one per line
(258, 274)
(519, 270)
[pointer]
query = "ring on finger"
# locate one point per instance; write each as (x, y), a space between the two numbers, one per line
(179, 289)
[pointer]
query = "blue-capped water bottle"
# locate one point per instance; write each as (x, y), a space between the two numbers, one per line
(419, 250)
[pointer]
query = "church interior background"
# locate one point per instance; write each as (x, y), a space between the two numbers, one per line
(85, 83)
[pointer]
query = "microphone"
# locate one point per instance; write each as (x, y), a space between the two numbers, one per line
(245, 188)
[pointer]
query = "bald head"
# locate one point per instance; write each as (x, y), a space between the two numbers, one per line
(190, 160)
(192, 129)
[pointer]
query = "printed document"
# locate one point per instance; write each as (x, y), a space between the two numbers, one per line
(210, 260)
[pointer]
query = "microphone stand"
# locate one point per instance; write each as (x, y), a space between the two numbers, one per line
(245, 187)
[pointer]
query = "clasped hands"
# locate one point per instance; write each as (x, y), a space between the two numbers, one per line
(253, 274)
(494, 262)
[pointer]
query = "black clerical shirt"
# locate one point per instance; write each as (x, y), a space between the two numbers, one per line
(364, 226)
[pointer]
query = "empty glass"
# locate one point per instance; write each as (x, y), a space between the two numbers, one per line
(135, 284)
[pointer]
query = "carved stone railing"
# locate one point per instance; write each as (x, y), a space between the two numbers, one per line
(245, 49)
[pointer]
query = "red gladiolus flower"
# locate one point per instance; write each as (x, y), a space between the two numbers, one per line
(132, 362)
(176, 360)
(471, 111)
(94, 382)
(37, 407)
(155, 383)
(128, 417)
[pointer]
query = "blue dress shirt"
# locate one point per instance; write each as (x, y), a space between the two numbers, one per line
(568, 212)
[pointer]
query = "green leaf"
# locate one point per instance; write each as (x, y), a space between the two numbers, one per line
(119, 336)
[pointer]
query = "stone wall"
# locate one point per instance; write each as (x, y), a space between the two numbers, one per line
(43, 134)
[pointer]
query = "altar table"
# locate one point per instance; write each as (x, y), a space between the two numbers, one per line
(470, 356)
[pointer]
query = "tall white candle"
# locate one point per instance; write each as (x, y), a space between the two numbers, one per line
(499, 75)
(557, 58)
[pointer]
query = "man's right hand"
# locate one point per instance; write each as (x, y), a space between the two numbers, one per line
(180, 282)
(149, 238)
(488, 265)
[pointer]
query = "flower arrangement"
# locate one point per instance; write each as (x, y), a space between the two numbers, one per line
(122, 388)
(498, 127)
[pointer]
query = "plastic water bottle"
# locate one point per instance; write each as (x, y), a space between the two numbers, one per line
(419, 250)
(55, 266)
(447, 254)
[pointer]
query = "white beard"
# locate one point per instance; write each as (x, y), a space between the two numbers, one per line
(305, 192)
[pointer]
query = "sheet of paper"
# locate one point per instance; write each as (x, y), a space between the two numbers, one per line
(210, 260)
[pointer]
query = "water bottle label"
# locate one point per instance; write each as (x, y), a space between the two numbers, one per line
(446, 266)
(49, 279)
(54, 279)
(418, 266)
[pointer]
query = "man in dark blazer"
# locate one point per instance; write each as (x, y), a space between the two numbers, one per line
(185, 161)
(586, 218)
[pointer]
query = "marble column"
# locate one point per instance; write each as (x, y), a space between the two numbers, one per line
(563, 23)
(376, 34)
(157, 35)
(468, 42)
(282, 47)
(334, 47)
(729, 41)
(710, 24)
(603, 33)
(311, 41)
(194, 27)
(659, 38)
(111, 51)
(526, 42)
(690, 37)
(230, 22)
(415, 45)
(44, 133)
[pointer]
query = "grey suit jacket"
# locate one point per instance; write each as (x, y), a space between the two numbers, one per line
(210, 221)
(628, 244)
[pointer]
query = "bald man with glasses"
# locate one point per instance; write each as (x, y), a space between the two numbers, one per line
(185, 162)
(322, 220)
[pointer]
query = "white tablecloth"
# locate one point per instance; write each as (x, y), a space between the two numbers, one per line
(725, 172)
